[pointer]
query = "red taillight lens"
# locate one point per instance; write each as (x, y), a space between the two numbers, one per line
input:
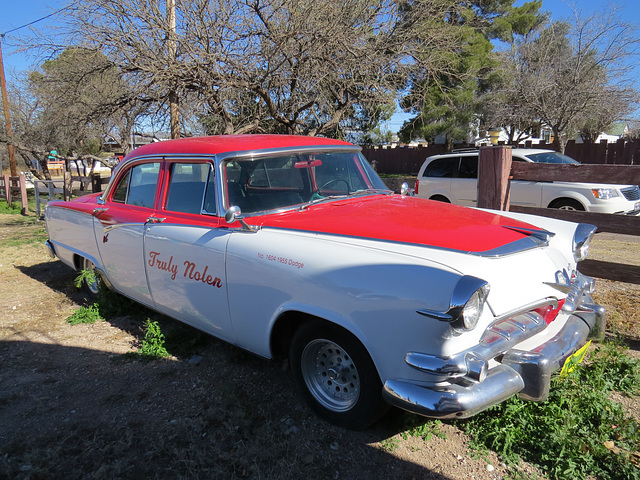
(417, 184)
(549, 313)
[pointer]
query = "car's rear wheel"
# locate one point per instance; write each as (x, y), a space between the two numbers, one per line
(336, 374)
(567, 204)
(91, 283)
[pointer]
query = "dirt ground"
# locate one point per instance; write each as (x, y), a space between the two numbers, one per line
(71, 406)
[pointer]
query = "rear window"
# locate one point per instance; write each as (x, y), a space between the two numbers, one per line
(468, 167)
(442, 167)
(551, 157)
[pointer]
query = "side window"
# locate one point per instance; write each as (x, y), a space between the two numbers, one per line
(191, 188)
(142, 186)
(442, 167)
(120, 194)
(468, 167)
(138, 185)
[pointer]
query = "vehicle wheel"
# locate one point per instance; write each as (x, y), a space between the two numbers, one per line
(336, 375)
(568, 204)
(440, 198)
(91, 285)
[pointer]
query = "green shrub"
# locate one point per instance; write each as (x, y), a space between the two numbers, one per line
(89, 314)
(152, 346)
(579, 432)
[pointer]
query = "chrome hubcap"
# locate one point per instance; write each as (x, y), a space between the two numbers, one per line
(330, 375)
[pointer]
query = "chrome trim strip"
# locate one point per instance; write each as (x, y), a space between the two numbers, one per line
(542, 236)
(108, 228)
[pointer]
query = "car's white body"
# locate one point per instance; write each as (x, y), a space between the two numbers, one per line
(367, 265)
(463, 191)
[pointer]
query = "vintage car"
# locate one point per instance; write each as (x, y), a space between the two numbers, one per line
(291, 246)
(453, 178)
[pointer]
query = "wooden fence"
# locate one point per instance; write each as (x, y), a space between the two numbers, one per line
(407, 160)
(623, 224)
(11, 185)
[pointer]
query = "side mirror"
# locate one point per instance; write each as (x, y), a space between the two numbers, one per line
(405, 190)
(235, 214)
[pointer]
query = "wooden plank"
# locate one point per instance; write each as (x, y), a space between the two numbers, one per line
(7, 188)
(541, 172)
(616, 272)
(23, 194)
(494, 165)
(606, 222)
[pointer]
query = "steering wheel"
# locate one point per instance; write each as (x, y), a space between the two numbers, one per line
(335, 180)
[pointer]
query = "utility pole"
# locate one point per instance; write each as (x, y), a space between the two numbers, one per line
(7, 116)
(174, 112)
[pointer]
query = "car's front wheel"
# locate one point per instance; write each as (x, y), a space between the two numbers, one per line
(567, 204)
(336, 374)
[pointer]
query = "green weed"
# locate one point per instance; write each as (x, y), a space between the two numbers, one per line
(425, 430)
(89, 314)
(152, 346)
(83, 276)
(578, 432)
(390, 444)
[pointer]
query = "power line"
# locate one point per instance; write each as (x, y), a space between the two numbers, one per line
(40, 19)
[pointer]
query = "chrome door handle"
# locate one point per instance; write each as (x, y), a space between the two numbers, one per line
(99, 210)
(155, 220)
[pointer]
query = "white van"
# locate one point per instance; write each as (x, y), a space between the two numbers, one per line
(452, 177)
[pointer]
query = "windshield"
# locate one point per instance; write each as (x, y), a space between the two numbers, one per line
(551, 157)
(285, 180)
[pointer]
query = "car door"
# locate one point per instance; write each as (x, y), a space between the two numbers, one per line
(185, 252)
(127, 209)
(465, 185)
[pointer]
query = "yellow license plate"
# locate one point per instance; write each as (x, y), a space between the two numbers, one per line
(574, 359)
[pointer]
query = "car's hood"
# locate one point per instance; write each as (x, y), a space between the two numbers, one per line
(411, 220)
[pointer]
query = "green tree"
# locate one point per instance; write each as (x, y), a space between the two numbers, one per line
(448, 103)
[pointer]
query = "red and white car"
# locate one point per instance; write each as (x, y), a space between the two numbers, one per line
(292, 246)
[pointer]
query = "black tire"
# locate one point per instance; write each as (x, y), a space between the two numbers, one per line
(91, 287)
(336, 375)
(440, 198)
(567, 204)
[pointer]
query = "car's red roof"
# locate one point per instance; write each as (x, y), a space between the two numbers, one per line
(231, 143)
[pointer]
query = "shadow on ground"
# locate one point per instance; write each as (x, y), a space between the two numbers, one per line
(77, 413)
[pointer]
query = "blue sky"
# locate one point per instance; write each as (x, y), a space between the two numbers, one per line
(16, 13)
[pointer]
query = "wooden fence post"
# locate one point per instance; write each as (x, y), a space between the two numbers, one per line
(66, 189)
(96, 182)
(494, 166)
(23, 194)
(7, 188)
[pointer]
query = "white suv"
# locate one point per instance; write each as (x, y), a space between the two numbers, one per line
(452, 177)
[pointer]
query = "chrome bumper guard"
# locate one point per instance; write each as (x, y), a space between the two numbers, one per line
(466, 386)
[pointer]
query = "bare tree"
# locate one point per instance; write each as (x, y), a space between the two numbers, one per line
(294, 66)
(572, 78)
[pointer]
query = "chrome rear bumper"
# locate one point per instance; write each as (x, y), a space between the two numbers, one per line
(472, 387)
